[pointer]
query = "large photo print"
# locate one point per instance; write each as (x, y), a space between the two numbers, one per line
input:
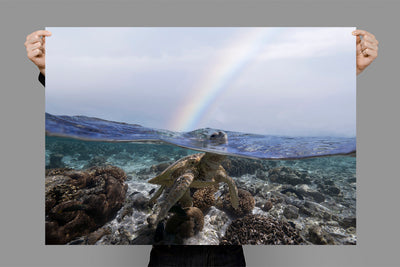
(201, 136)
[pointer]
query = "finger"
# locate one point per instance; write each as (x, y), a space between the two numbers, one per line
(38, 33)
(373, 54)
(42, 33)
(370, 53)
(33, 39)
(358, 40)
(369, 45)
(370, 38)
(35, 53)
(30, 45)
(34, 46)
(360, 32)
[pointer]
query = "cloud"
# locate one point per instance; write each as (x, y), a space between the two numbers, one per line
(143, 76)
(308, 43)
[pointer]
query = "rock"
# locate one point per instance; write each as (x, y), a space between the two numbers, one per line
(348, 222)
(261, 175)
(137, 201)
(291, 212)
(236, 166)
(160, 167)
(261, 230)
(318, 236)
(55, 161)
(286, 175)
(329, 182)
(79, 202)
(267, 206)
(317, 196)
(96, 161)
(159, 158)
(352, 180)
(96, 235)
(332, 191)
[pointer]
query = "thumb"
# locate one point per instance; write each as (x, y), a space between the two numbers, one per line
(358, 40)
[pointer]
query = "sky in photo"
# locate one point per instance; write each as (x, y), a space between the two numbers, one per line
(284, 81)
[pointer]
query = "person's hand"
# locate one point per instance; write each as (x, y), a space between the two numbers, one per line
(367, 49)
(35, 48)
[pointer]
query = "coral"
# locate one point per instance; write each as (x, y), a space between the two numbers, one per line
(186, 225)
(267, 206)
(79, 202)
(204, 198)
(246, 203)
(261, 230)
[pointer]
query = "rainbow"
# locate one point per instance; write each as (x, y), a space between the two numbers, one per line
(245, 45)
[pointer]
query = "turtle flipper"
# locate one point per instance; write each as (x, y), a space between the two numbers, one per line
(177, 191)
(233, 191)
(156, 195)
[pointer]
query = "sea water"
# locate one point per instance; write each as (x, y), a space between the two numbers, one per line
(327, 199)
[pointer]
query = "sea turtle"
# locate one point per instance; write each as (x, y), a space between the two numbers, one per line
(194, 171)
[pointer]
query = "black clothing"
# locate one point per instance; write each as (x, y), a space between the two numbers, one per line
(42, 79)
(196, 256)
(192, 256)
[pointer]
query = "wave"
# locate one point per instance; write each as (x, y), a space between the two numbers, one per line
(239, 144)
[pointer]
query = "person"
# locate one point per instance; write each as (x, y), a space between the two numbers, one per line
(227, 256)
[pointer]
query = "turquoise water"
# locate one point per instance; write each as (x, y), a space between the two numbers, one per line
(311, 181)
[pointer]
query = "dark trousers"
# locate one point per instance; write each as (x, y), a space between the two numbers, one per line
(197, 256)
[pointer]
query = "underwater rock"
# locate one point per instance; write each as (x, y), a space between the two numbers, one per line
(351, 180)
(159, 157)
(137, 201)
(186, 225)
(332, 191)
(204, 198)
(301, 191)
(159, 167)
(267, 206)
(261, 230)
(328, 182)
(317, 196)
(246, 203)
(348, 222)
(79, 202)
(236, 166)
(286, 175)
(318, 236)
(261, 175)
(291, 212)
(55, 161)
(293, 191)
(92, 238)
(96, 161)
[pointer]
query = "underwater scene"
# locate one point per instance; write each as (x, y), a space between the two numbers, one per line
(110, 183)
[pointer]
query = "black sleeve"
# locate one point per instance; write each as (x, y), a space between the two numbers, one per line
(42, 79)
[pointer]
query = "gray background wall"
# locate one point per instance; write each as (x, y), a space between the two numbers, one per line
(22, 124)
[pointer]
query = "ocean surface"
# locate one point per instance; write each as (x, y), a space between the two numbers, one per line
(326, 197)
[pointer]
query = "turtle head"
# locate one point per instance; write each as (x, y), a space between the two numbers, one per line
(219, 138)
